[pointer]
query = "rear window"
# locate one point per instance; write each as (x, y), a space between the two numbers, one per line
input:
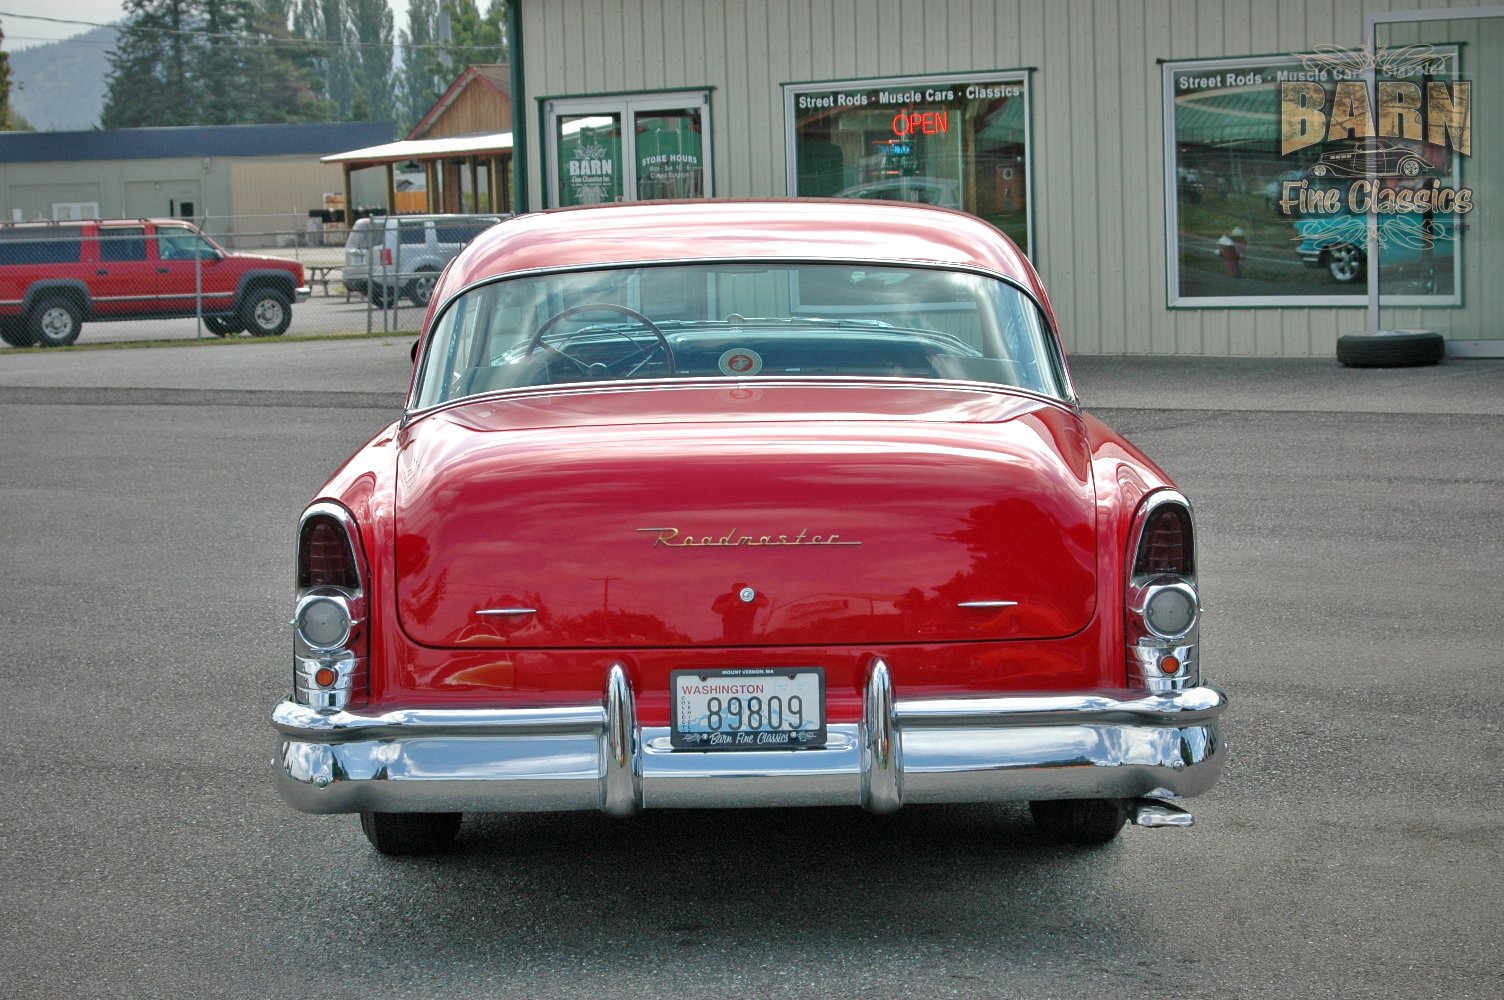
(50, 246)
(461, 232)
(360, 237)
(742, 322)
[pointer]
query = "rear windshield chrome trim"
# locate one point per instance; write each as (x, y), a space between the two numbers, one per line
(409, 413)
(410, 417)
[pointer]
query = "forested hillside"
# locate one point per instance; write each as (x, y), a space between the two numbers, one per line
(60, 86)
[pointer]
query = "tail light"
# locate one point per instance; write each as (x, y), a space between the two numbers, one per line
(331, 629)
(386, 256)
(1163, 605)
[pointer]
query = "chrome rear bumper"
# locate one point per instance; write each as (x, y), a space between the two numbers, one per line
(1106, 745)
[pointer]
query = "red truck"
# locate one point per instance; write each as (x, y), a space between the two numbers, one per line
(54, 276)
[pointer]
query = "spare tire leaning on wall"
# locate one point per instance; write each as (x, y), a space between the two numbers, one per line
(1390, 348)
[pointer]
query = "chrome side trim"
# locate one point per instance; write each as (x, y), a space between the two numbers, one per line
(882, 749)
(988, 604)
(518, 612)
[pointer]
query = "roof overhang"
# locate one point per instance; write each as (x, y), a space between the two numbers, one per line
(426, 149)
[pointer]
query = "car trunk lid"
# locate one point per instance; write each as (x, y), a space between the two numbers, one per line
(711, 516)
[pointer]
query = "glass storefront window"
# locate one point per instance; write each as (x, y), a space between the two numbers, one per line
(954, 141)
(1271, 166)
(1470, 244)
(641, 147)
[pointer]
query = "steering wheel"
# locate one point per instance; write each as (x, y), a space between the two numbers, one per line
(600, 369)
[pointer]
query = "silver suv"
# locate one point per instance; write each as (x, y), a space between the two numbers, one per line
(388, 256)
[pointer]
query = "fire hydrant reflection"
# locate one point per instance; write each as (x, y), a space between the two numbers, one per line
(1233, 246)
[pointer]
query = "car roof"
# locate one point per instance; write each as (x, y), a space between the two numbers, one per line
(774, 229)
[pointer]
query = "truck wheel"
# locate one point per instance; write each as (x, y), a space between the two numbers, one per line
(222, 326)
(400, 834)
(15, 332)
(55, 322)
(266, 313)
(420, 289)
(1079, 821)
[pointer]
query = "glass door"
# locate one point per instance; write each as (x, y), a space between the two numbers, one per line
(1436, 244)
(640, 147)
(589, 159)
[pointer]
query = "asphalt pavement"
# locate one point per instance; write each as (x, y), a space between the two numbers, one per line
(1352, 567)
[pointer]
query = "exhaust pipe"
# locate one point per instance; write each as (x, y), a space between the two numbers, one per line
(1155, 812)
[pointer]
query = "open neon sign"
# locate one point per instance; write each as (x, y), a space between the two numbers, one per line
(921, 122)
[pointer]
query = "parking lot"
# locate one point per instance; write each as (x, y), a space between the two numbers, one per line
(1352, 567)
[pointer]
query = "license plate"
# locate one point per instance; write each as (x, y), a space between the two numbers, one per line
(749, 709)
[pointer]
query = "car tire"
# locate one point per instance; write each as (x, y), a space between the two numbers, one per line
(55, 322)
(1411, 167)
(266, 312)
(408, 834)
(1080, 821)
(223, 326)
(377, 295)
(1319, 170)
(1391, 349)
(15, 332)
(420, 289)
(1346, 264)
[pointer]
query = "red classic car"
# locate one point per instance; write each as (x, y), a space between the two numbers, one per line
(745, 504)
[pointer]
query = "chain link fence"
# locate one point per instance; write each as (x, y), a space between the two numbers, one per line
(265, 276)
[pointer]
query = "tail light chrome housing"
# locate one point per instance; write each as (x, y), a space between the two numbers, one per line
(1162, 626)
(331, 634)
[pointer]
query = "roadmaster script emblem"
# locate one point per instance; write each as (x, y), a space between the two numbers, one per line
(672, 538)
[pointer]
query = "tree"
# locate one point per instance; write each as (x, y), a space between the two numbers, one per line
(350, 54)
(148, 82)
(207, 62)
(5, 112)
(442, 38)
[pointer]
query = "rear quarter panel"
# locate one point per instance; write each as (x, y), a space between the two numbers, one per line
(1123, 476)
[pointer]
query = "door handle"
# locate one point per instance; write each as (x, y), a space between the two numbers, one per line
(101, 271)
(161, 270)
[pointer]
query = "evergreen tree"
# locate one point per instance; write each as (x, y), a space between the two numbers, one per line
(423, 70)
(432, 60)
(375, 92)
(206, 62)
(148, 82)
(5, 112)
(350, 45)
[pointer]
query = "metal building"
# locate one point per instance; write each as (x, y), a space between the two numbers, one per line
(1134, 147)
(250, 178)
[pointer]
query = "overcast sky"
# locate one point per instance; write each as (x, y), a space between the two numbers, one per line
(21, 32)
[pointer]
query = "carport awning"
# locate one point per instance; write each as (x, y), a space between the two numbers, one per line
(427, 149)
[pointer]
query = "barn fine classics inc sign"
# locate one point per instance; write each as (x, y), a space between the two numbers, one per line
(1390, 160)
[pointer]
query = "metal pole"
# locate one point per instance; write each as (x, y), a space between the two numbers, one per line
(198, 287)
